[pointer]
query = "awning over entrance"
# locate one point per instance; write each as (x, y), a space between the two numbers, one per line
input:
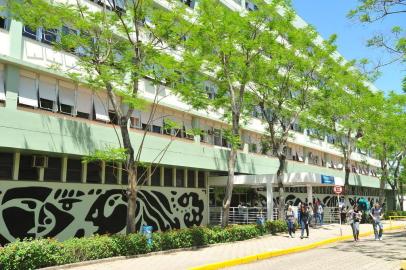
(289, 179)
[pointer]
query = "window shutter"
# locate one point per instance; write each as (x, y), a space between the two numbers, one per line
(84, 100)
(66, 94)
(101, 106)
(47, 88)
(27, 94)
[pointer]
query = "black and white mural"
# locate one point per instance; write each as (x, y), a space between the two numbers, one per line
(64, 210)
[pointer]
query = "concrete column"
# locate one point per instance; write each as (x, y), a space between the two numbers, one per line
(16, 165)
(185, 171)
(174, 177)
(148, 183)
(269, 200)
(103, 171)
(162, 176)
(84, 172)
(16, 39)
(12, 79)
(119, 173)
(64, 168)
(326, 159)
(309, 194)
(41, 172)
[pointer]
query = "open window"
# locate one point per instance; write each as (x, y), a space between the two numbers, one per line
(3, 22)
(47, 93)
(49, 36)
(66, 98)
(155, 176)
(84, 103)
(30, 32)
(26, 169)
(101, 111)
(93, 172)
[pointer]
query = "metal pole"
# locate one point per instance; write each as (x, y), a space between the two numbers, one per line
(339, 214)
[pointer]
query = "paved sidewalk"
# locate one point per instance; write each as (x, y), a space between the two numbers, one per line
(202, 256)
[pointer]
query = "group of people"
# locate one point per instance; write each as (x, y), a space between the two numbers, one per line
(306, 212)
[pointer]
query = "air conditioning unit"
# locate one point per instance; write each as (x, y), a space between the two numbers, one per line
(40, 161)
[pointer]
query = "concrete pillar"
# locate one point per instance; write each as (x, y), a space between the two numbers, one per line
(148, 183)
(162, 176)
(41, 172)
(309, 194)
(119, 173)
(64, 168)
(103, 171)
(84, 172)
(269, 200)
(16, 165)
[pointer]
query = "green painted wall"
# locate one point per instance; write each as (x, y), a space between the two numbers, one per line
(39, 132)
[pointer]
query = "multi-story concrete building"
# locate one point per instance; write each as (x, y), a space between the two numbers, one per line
(48, 123)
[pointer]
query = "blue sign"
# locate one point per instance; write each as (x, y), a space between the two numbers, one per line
(326, 179)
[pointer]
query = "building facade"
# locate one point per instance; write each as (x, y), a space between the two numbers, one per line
(48, 123)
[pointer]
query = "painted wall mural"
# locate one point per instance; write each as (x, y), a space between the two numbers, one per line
(64, 210)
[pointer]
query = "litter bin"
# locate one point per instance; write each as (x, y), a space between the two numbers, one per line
(147, 232)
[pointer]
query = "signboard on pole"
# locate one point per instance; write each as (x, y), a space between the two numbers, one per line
(338, 190)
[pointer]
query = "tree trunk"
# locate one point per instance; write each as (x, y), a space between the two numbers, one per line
(384, 179)
(279, 178)
(131, 168)
(229, 188)
(401, 196)
(347, 173)
(132, 199)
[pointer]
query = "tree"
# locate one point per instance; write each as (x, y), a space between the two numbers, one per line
(371, 11)
(285, 84)
(228, 44)
(344, 108)
(116, 47)
(385, 135)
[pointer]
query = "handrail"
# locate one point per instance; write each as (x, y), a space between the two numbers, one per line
(390, 219)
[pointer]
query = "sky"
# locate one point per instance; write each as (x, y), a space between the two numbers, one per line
(329, 17)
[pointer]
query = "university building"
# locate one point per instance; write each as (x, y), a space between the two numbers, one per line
(48, 123)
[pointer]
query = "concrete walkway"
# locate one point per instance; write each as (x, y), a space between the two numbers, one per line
(223, 252)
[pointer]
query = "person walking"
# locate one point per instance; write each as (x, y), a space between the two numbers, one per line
(320, 214)
(304, 214)
(354, 217)
(290, 219)
(377, 215)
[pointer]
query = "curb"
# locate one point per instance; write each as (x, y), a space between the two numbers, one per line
(275, 253)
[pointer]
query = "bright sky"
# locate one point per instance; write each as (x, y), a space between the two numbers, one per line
(329, 17)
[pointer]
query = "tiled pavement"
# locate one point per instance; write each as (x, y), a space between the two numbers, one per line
(202, 256)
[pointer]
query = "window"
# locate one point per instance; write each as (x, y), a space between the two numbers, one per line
(135, 122)
(26, 170)
(6, 166)
(180, 177)
(189, 3)
(168, 177)
(74, 171)
(250, 6)
(84, 103)
(66, 33)
(111, 175)
(54, 169)
(124, 177)
(66, 97)
(253, 148)
(49, 36)
(191, 179)
(217, 137)
(3, 22)
(29, 32)
(93, 172)
(46, 104)
(113, 117)
(201, 181)
(156, 129)
(155, 176)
